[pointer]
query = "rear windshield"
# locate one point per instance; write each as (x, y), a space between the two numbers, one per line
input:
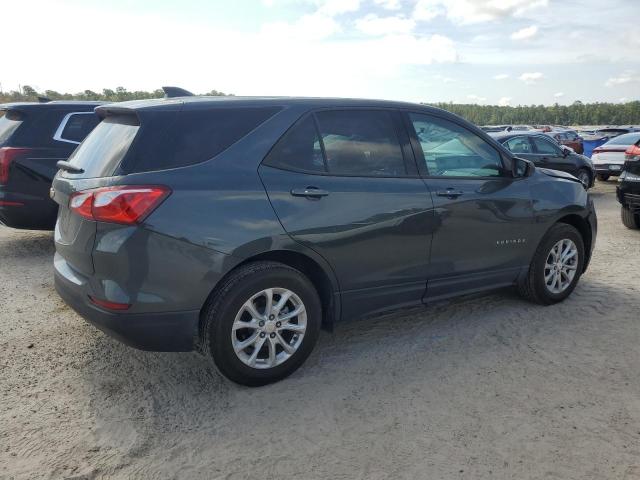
(627, 139)
(105, 147)
(9, 123)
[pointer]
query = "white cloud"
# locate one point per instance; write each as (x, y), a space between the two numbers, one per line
(504, 101)
(525, 33)
(501, 76)
(374, 25)
(531, 77)
(476, 98)
(444, 79)
(337, 7)
(474, 11)
(388, 4)
(559, 94)
(626, 77)
(315, 26)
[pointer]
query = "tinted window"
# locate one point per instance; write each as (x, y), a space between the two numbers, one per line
(103, 150)
(359, 142)
(451, 150)
(78, 126)
(299, 149)
(545, 147)
(518, 145)
(9, 123)
(176, 139)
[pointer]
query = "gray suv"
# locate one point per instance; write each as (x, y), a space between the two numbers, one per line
(240, 226)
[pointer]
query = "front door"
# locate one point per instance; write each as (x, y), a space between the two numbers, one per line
(344, 183)
(484, 214)
(548, 154)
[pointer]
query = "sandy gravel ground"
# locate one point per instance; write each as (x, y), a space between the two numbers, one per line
(489, 387)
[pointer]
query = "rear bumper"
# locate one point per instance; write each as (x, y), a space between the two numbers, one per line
(162, 332)
(613, 169)
(26, 211)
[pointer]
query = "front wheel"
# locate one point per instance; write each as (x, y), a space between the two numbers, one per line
(556, 267)
(584, 177)
(262, 323)
(630, 219)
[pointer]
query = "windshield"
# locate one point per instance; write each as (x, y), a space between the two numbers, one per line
(105, 147)
(9, 123)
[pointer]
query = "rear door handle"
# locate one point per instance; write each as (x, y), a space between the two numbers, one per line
(311, 192)
(450, 193)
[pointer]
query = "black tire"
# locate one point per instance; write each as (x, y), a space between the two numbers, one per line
(534, 287)
(630, 219)
(603, 177)
(222, 308)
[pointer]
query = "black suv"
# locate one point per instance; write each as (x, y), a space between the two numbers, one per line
(238, 226)
(545, 152)
(628, 190)
(33, 138)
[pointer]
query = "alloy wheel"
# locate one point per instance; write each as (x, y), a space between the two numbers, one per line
(269, 328)
(561, 266)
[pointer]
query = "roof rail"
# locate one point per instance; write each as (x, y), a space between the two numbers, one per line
(172, 92)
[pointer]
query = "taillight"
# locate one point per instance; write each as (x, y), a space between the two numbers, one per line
(109, 305)
(8, 155)
(127, 205)
(632, 154)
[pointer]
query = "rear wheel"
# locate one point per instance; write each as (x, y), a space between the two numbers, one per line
(603, 177)
(556, 267)
(630, 219)
(262, 323)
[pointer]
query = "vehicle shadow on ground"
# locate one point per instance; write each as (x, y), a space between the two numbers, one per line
(19, 243)
(130, 389)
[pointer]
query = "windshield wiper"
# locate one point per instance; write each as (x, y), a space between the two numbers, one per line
(69, 167)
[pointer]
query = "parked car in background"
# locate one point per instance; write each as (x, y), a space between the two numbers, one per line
(608, 159)
(238, 226)
(612, 132)
(628, 190)
(569, 138)
(543, 151)
(33, 138)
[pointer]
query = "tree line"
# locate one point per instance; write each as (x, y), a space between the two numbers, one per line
(577, 113)
(119, 94)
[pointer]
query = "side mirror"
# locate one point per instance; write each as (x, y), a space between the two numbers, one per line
(522, 168)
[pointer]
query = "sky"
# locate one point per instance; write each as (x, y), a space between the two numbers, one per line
(498, 52)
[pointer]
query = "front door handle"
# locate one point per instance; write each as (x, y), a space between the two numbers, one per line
(449, 193)
(310, 192)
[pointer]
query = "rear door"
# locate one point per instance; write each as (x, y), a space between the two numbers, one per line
(343, 183)
(484, 214)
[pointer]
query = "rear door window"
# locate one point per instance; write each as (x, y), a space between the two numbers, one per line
(105, 147)
(76, 126)
(361, 143)
(299, 149)
(9, 123)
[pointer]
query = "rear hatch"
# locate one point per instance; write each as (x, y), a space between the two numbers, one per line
(93, 164)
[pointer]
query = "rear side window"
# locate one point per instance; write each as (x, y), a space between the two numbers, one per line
(299, 149)
(76, 126)
(105, 147)
(192, 136)
(9, 123)
(361, 143)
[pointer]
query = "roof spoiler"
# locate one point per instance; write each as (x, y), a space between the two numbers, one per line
(172, 92)
(44, 99)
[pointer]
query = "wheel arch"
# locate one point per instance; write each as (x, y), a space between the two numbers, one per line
(324, 282)
(582, 225)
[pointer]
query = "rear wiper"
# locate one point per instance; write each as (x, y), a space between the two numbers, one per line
(68, 167)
